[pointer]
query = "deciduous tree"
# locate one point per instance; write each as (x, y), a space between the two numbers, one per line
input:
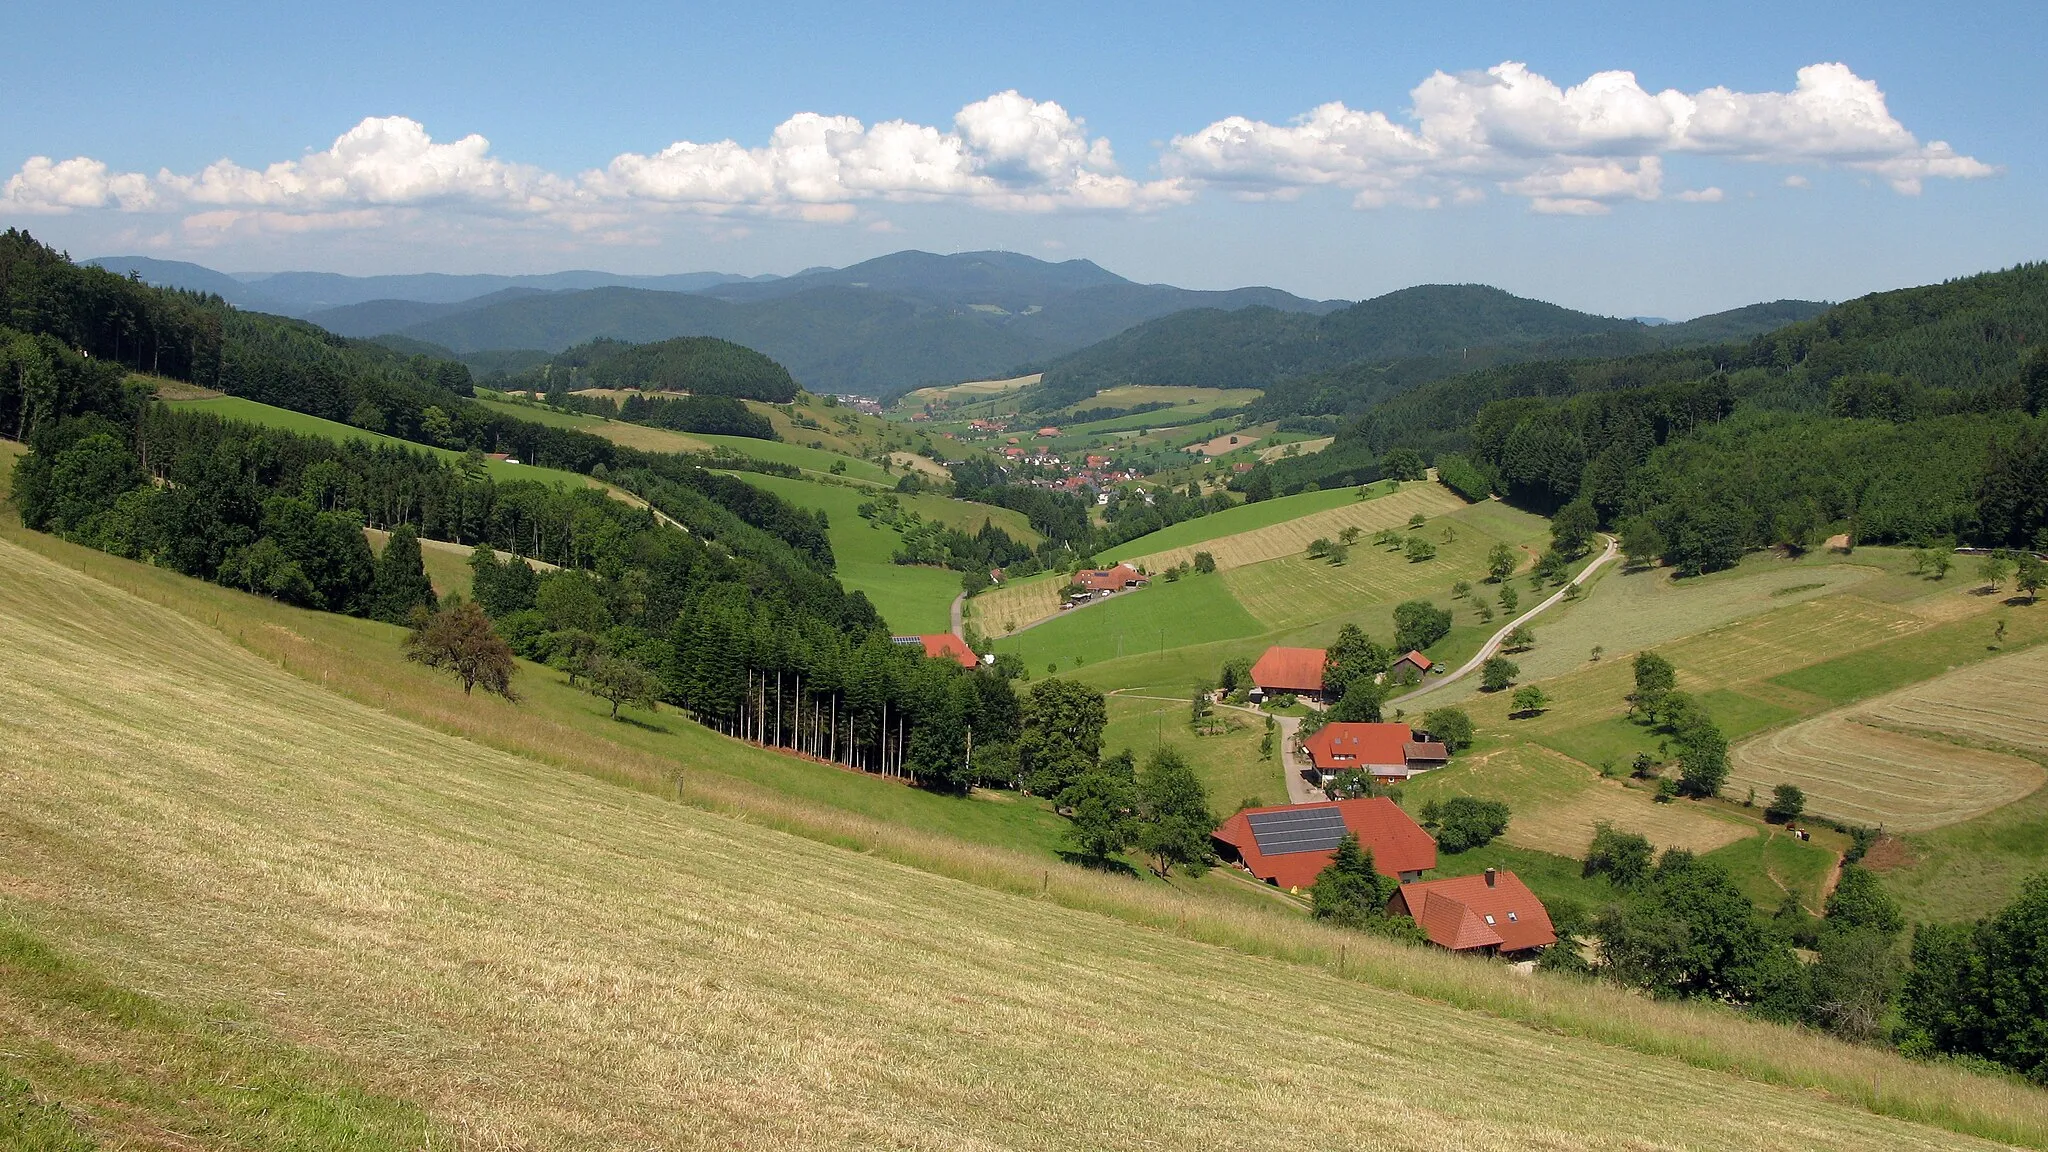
(461, 640)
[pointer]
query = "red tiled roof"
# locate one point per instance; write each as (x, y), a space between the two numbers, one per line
(1454, 912)
(1108, 579)
(1398, 843)
(1420, 661)
(1354, 745)
(944, 644)
(1290, 670)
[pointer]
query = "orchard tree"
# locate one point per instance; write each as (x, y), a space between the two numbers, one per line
(461, 640)
(1497, 673)
(1175, 821)
(1623, 857)
(1655, 679)
(1463, 823)
(1449, 725)
(1103, 809)
(1529, 701)
(621, 681)
(1500, 562)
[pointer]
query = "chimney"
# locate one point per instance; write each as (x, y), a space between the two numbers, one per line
(1491, 875)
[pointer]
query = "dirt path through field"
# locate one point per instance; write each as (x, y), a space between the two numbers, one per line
(1492, 645)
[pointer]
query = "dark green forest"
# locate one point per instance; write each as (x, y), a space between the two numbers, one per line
(699, 365)
(1903, 417)
(1354, 357)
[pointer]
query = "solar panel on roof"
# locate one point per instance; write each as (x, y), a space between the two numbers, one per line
(1297, 830)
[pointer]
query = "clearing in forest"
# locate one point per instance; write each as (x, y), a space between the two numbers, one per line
(527, 956)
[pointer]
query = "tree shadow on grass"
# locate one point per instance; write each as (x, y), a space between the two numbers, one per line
(643, 725)
(1112, 867)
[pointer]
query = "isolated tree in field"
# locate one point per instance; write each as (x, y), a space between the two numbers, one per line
(621, 681)
(2029, 575)
(1449, 725)
(461, 640)
(1350, 534)
(1417, 550)
(1175, 817)
(1419, 624)
(1529, 701)
(1655, 679)
(1205, 562)
(1463, 823)
(1623, 857)
(1571, 530)
(1350, 891)
(1497, 673)
(1319, 547)
(1509, 599)
(1939, 561)
(1461, 589)
(1993, 569)
(1787, 803)
(1702, 758)
(1520, 640)
(1103, 809)
(401, 583)
(1500, 562)
(1417, 520)
(1387, 537)
(1061, 734)
(1485, 612)
(1339, 554)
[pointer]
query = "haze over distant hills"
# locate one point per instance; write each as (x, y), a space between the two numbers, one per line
(301, 294)
(910, 319)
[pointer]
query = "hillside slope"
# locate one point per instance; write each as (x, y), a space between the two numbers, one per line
(536, 959)
(1439, 328)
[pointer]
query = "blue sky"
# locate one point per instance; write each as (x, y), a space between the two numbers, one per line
(1165, 142)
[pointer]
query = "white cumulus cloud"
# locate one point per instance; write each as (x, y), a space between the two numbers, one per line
(1577, 150)
(1567, 150)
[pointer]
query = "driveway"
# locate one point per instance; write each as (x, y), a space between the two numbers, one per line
(1493, 644)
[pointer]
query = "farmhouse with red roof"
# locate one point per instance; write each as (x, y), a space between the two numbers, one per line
(943, 646)
(1388, 751)
(1115, 579)
(1295, 670)
(1493, 912)
(1290, 844)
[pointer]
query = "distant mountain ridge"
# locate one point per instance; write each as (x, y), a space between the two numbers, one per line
(301, 294)
(1431, 330)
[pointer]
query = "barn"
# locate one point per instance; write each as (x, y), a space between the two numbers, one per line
(1298, 671)
(1290, 844)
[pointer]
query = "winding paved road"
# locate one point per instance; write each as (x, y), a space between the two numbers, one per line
(1488, 649)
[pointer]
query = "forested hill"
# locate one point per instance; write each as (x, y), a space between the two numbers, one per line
(1913, 416)
(699, 365)
(1350, 357)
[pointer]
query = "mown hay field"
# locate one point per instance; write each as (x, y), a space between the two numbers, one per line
(1874, 776)
(535, 959)
(1556, 801)
(1855, 764)
(1000, 611)
(1291, 537)
(1295, 591)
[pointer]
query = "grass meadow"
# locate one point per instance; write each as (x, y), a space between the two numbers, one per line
(911, 598)
(432, 933)
(250, 412)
